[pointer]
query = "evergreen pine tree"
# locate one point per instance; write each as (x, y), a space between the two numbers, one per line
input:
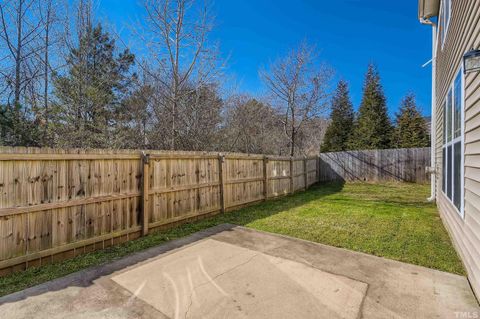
(17, 127)
(411, 128)
(373, 129)
(340, 128)
(91, 93)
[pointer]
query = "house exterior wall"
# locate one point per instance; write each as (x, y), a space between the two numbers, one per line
(463, 34)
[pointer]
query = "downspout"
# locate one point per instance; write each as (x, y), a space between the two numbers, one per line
(432, 169)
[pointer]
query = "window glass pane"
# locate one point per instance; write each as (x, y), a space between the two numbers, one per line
(457, 106)
(444, 170)
(449, 116)
(453, 145)
(445, 122)
(449, 171)
(452, 178)
(457, 177)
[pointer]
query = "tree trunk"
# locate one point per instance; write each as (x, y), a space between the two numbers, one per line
(18, 53)
(46, 78)
(292, 147)
(174, 116)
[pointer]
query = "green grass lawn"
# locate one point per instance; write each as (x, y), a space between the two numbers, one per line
(390, 220)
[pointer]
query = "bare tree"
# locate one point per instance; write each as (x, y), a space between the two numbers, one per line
(201, 118)
(19, 32)
(181, 51)
(45, 61)
(252, 127)
(311, 137)
(48, 16)
(75, 30)
(299, 88)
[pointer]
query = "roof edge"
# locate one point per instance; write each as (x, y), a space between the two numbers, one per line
(428, 8)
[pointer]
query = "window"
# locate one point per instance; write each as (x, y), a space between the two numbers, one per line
(444, 19)
(452, 151)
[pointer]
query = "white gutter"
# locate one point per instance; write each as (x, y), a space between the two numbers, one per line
(428, 9)
(432, 169)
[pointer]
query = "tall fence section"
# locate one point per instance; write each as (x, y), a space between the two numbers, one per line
(56, 204)
(404, 164)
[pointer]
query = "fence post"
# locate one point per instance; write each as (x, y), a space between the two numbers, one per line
(221, 163)
(265, 178)
(145, 191)
(305, 172)
(318, 169)
(292, 190)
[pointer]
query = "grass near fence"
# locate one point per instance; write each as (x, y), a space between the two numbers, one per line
(392, 220)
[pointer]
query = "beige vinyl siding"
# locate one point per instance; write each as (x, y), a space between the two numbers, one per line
(462, 35)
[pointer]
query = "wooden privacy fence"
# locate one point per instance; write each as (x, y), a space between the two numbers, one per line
(56, 204)
(405, 164)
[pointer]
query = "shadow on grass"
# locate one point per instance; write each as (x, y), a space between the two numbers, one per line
(82, 270)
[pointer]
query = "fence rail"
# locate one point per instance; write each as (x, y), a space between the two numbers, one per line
(56, 204)
(406, 164)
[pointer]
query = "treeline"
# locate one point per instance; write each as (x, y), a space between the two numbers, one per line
(67, 81)
(371, 127)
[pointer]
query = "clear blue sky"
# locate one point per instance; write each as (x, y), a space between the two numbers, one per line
(349, 34)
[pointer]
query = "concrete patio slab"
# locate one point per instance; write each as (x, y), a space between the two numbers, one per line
(235, 272)
(213, 279)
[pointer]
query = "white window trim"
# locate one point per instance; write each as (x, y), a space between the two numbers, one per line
(445, 26)
(461, 138)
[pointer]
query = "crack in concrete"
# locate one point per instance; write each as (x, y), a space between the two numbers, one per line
(212, 279)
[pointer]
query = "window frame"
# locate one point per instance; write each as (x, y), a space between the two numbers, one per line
(450, 181)
(442, 23)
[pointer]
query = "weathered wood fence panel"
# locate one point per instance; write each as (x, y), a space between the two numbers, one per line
(56, 204)
(407, 165)
(244, 182)
(181, 187)
(298, 175)
(312, 166)
(278, 173)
